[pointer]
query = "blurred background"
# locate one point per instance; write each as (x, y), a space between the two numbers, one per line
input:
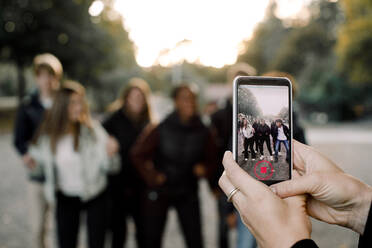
(325, 44)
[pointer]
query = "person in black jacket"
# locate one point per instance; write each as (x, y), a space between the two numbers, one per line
(221, 127)
(48, 72)
(263, 132)
(170, 158)
(322, 190)
(131, 113)
(281, 135)
(272, 128)
(256, 138)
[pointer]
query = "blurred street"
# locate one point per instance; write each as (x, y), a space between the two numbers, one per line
(349, 145)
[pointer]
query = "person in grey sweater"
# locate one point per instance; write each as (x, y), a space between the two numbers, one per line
(74, 154)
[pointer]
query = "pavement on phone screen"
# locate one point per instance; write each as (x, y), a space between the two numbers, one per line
(265, 167)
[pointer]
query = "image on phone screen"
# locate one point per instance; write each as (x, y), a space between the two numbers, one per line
(263, 128)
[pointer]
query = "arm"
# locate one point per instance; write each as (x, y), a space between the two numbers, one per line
(221, 147)
(209, 163)
(21, 131)
(142, 155)
(108, 124)
(37, 153)
(107, 148)
(268, 131)
(365, 240)
(22, 136)
(305, 243)
(286, 132)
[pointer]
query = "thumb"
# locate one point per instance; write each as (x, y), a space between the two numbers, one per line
(298, 186)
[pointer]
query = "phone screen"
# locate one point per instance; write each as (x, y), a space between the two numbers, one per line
(263, 127)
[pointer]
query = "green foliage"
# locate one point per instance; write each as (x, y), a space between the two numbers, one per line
(354, 44)
(265, 44)
(90, 48)
(307, 51)
(302, 44)
(283, 114)
(276, 47)
(330, 93)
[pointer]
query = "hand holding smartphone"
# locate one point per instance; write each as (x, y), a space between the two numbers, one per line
(262, 127)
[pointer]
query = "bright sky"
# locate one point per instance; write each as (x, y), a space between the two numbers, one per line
(271, 99)
(209, 32)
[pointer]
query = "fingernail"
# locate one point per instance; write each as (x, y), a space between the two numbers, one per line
(273, 190)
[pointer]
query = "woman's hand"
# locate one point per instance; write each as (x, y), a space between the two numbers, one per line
(274, 222)
(336, 197)
(112, 146)
(29, 161)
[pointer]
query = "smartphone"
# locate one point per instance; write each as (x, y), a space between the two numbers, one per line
(262, 127)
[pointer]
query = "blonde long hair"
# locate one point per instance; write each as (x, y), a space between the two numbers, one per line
(55, 123)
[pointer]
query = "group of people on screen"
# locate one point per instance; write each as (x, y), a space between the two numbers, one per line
(255, 132)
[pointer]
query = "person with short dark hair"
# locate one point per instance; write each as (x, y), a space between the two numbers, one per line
(282, 135)
(171, 157)
(48, 73)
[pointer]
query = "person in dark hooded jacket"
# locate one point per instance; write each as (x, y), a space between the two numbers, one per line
(170, 158)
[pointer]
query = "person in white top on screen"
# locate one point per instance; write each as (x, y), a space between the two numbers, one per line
(248, 136)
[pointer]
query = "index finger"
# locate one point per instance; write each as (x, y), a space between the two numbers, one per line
(251, 187)
(308, 160)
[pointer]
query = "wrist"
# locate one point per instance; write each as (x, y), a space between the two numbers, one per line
(286, 237)
(358, 218)
(286, 241)
(296, 238)
(304, 243)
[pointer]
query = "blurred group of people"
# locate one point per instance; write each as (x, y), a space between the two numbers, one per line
(255, 132)
(126, 166)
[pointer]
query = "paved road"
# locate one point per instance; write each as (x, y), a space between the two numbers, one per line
(350, 146)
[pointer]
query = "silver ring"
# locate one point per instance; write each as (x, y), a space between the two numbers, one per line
(231, 194)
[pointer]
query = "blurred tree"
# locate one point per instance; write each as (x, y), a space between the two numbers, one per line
(247, 103)
(265, 43)
(354, 46)
(330, 93)
(283, 114)
(277, 47)
(208, 73)
(311, 43)
(87, 46)
(305, 48)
